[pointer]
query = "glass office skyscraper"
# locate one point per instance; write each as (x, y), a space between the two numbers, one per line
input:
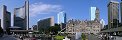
(93, 9)
(113, 14)
(62, 17)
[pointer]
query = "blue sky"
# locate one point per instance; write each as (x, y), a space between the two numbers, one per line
(75, 9)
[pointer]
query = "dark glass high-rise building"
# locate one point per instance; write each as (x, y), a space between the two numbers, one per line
(113, 14)
(21, 16)
(6, 18)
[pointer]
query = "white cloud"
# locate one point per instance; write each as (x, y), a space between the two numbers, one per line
(41, 8)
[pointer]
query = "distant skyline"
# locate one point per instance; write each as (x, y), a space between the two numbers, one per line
(75, 9)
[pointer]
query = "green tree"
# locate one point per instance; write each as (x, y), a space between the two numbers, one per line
(83, 36)
(54, 29)
(1, 32)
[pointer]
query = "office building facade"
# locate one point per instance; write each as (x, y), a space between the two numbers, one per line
(113, 14)
(92, 13)
(44, 24)
(21, 16)
(61, 17)
(6, 18)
